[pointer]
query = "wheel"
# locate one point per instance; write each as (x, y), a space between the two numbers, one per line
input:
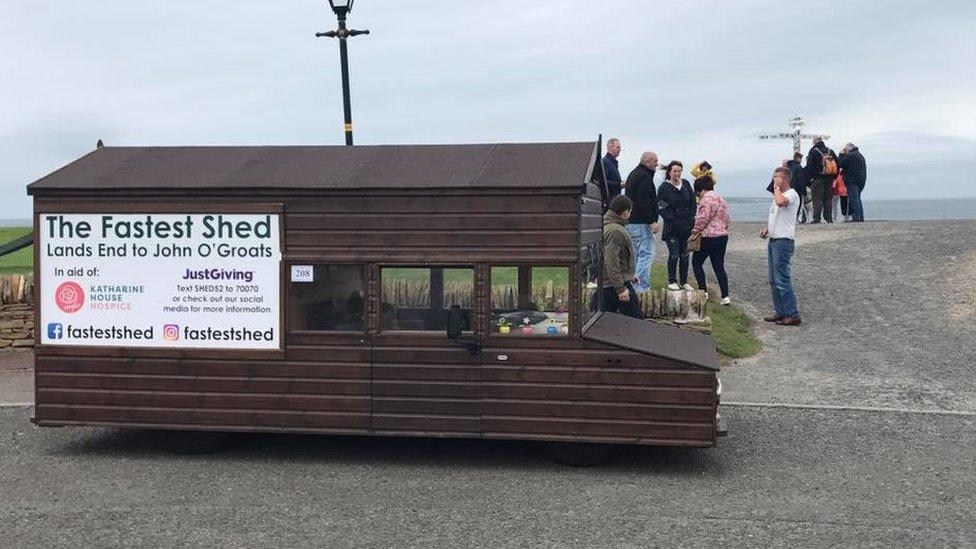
(194, 443)
(579, 454)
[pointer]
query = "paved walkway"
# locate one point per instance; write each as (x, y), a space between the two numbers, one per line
(889, 317)
(16, 376)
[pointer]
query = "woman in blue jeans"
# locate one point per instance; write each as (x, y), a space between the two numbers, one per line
(677, 206)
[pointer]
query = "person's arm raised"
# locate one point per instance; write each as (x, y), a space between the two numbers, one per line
(780, 197)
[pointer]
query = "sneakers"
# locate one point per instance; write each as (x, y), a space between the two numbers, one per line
(674, 287)
(726, 301)
(787, 321)
(687, 287)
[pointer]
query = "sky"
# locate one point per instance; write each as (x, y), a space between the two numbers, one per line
(690, 80)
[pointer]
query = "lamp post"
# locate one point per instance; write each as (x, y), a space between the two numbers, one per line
(341, 9)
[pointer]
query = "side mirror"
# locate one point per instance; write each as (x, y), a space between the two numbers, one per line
(454, 322)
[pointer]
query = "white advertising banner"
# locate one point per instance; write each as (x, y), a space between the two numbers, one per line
(160, 280)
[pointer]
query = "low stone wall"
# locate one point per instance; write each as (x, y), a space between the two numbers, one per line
(17, 325)
(16, 311)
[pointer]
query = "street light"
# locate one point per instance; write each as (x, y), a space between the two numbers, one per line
(341, 9)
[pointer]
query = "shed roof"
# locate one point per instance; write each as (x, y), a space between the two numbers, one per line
(532, 165)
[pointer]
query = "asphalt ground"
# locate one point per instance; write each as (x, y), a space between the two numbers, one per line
(786, 477)
(888, 312)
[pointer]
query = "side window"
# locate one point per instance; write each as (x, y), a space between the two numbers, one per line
(327, 298)
(530, 301)
(417, 299)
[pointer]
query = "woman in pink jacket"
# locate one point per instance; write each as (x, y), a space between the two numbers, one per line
(712, 223)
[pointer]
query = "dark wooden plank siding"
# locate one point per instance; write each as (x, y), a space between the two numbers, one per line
(558, 389)
(595, 393)
(425, 384)
(330, 393)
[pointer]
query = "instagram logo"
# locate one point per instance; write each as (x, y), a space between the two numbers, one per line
(69, 297)
(171, 332)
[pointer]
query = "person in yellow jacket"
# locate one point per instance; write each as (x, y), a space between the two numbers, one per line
(704, 169)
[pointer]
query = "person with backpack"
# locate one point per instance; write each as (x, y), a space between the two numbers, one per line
(821, 170)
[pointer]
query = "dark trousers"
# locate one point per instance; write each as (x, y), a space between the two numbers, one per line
(713, 249)
(823, 196)
(854, 202)
(612, 303)
(845, 206)
(677, 259)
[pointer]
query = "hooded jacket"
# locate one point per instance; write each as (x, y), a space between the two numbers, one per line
(619, 264)
(855, 168)
(640, 191)
(678, 208)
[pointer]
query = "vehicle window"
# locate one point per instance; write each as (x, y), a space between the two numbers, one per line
(417, 299)
(327, 298)
(530, 301)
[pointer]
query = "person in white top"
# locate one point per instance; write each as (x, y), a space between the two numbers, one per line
(781, 232)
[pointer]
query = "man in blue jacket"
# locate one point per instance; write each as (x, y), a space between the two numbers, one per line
(855, 171)
(610, 167)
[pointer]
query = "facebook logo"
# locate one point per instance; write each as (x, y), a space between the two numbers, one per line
(54, 330)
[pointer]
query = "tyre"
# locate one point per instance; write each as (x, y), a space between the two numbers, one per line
(579, 454)
(195, 443)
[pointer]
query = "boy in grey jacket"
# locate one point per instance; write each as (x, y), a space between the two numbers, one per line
(619, 265)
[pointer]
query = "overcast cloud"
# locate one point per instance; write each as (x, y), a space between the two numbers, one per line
(696, 79)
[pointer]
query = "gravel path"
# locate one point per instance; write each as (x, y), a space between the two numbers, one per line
(889, 317)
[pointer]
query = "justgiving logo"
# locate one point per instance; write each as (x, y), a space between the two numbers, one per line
(54, 330)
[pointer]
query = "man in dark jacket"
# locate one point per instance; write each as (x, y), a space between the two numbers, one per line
(611, 169)
(643, 219)
(821, 184)
(855, 176)
(798, 183)
(618, 261)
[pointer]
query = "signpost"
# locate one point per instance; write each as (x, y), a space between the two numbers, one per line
(160, 280)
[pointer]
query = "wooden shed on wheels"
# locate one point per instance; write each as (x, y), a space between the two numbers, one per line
(310, 289)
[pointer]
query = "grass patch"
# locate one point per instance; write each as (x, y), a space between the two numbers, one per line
(21, 261)
(731, 326)
(732, 330)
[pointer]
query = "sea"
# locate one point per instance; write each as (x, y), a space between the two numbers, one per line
(757, 209)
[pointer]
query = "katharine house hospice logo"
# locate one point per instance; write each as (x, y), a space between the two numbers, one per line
(69, 296)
